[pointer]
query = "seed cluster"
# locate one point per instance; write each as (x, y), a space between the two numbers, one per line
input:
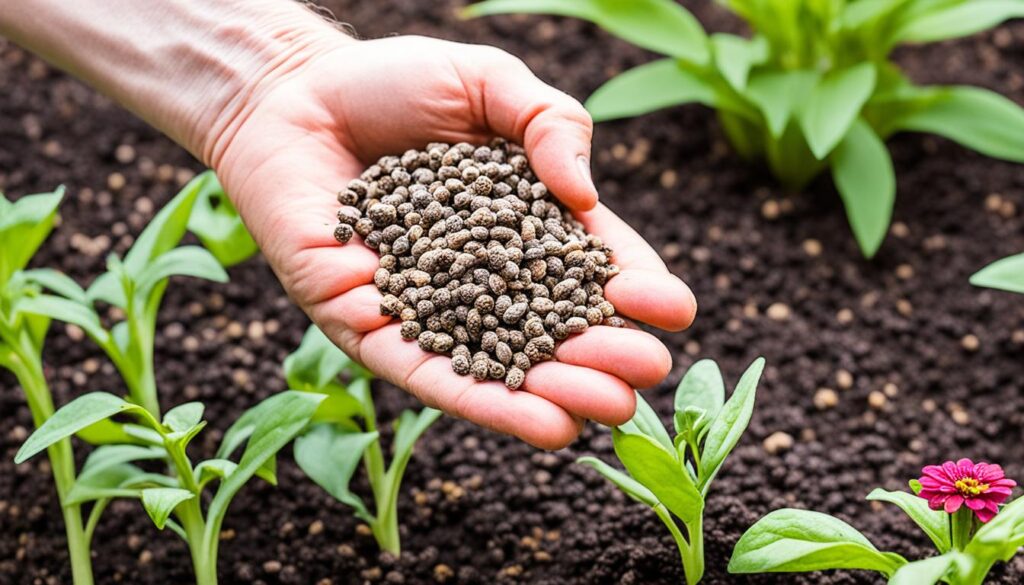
(476, 259)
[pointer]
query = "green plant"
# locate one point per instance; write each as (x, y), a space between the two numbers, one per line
(1006, 274)
(956, 505)
(24, 226)
(344, 431)
(673, 476)
(135, 285)
(812, 89)
(174, 499)
(217, 224)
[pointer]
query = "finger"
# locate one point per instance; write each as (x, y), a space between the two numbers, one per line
(357, 310)
(554, 128)
(315, 275)
(636, 357)
(656, 298)
(585, 392)
(645, 290)
(430, 378)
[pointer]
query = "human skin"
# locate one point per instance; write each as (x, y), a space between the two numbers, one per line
(287, 109)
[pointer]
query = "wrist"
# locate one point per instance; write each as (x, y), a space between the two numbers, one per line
(252, 50)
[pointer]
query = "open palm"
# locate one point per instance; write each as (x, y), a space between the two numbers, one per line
(320, 120)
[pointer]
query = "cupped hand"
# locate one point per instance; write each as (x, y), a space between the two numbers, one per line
(317, 120)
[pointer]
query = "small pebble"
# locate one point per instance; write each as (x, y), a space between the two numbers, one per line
(778, 442)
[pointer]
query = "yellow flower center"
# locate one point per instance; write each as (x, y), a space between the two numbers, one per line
(969, 486)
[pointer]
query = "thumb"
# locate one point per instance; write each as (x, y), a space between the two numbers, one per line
(554, 128)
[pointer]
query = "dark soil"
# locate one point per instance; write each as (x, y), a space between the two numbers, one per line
(480, 508)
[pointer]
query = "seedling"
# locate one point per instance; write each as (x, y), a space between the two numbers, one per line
(174, 500)
(217, 224)
(136, 285)
(24, 226)
(812, 89)
(1006, 274)
(955, 504)
(673, 476)
(344, 430)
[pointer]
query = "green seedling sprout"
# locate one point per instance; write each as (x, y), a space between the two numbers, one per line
(136, 285)
(673, 475)
(345, 431)
(217, 224)
(174, 500)
(813, 89)
(24, 226)
(1006, 274)
(957, 505)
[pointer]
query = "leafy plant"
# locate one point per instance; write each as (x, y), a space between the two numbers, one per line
(1006, 274)
(344, 431)
(956, 505)
(673, 475)
(135, 285)
(174, 500)
(217, 224)
(24, 226)
(812, 89)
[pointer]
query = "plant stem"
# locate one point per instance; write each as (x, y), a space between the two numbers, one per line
(962, 525)
(690, 553)
(204, 556)
(30, 375)
(386, 529)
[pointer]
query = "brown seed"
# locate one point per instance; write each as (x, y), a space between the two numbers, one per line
(343, 233)
(514, 378)
(410, 330)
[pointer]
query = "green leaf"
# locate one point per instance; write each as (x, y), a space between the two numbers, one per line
(24, 226)
(409, 427)
(212, 469)
(185, 261)
(279, 419)
(109, 456)
(736, 56)
(624, 482)
(647, 88)
(864, 176)
(73, 417)
(104, 484)
(160, 502)
(701, 388)
(834, 104)
(340, 406)
(958, 20)
(778, 93)
(164, 231)
(316, 362)
(924, 572)
(1006, 274)
(58, 282)
(330, 456)
(105, 432)
(660, 472)
(67, 311)
(107, 288)
(976, 118)
(730, 424)
(646, 422)
(218, 225)
(662, 26)
(934, 523)
(184, 417)
(792, 541)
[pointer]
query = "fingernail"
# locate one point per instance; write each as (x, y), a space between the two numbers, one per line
(583, 162)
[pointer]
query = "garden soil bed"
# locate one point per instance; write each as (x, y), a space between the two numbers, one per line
(478, 507)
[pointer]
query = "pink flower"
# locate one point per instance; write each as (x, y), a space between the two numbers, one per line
(979, 486)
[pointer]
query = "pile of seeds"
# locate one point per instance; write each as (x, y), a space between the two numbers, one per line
(477, 259)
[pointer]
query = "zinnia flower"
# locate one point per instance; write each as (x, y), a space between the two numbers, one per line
(980, 486)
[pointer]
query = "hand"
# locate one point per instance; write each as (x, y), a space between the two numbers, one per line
(317, 121)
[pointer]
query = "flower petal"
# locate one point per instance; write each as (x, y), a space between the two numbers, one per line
(984, 515)
(953, 504)
(974, 503)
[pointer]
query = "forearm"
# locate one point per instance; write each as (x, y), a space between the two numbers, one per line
(188, 67)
